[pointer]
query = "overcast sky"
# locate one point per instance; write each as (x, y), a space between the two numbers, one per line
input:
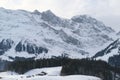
(108, 11)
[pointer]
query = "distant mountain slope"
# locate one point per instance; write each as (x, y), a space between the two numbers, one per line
(111, 53)
(43, 34)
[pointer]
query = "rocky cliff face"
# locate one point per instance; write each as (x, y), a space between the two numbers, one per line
(30, 48)
(5, 45)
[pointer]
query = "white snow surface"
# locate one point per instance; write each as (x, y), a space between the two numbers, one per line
(53, 73)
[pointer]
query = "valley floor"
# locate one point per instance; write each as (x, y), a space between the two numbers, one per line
(38, 74)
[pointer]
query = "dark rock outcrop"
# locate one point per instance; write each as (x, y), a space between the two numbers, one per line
(5, 45)
(30, 48)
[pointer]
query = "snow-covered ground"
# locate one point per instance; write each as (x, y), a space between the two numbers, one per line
(74, 77)
(54, 71)
(36, 74)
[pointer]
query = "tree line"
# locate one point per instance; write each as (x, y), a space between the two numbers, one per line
(87, 66)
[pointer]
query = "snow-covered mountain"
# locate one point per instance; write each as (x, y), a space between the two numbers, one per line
(43, 34)
(109, 51)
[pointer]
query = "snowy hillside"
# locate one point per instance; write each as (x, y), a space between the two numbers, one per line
(52, 74)
(109, 51)
(43, 35)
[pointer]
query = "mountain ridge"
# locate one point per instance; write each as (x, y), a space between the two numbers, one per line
(47, 31)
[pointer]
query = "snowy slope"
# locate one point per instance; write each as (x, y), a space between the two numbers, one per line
(109, 51)
(53, 71)
(52, 74)
(43, 35)
(73, 77)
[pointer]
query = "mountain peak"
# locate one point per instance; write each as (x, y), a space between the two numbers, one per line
(84, 16)
(36, 12)
(48, 12)
(50, 17)
(84, 19)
